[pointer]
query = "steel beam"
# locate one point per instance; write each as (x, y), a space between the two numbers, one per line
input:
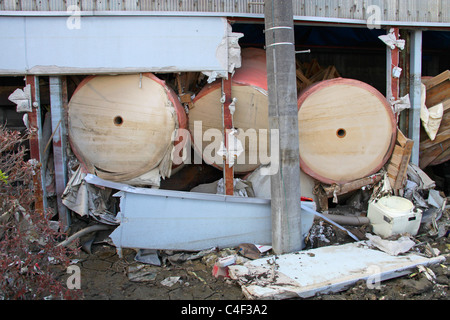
(58, 100)
(415, 93)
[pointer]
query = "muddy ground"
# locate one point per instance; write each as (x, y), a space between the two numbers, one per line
(106, 276)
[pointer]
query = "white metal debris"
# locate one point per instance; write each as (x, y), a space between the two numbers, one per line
(322, 270)
(22, 98)
(176, 220)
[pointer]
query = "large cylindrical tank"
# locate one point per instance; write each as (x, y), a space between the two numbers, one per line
(347, 130)
(249, 87)
(122, 127)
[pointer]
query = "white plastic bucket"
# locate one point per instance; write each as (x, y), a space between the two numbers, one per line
(395, 206)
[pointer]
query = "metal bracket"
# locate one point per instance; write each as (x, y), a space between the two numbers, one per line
(279, 43)
(276, 28)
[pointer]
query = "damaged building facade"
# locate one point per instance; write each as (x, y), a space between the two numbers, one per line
(134, 128)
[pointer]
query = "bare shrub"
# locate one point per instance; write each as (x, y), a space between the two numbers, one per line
(28, 243)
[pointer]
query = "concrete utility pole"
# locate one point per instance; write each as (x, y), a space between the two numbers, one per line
(283, 116)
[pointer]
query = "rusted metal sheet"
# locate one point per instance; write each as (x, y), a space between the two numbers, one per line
(391, 10)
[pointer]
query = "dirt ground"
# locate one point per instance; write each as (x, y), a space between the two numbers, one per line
(106, 276)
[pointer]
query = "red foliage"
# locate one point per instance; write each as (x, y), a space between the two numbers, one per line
(29, 248)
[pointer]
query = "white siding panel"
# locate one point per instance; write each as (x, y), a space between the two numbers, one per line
(108, 44)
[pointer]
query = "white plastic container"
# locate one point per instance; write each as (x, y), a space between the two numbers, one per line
(394, 215)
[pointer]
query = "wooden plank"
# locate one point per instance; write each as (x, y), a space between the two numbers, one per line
(444, 76)
(435, 152)
(438, 89)
(440, 137)
(302, 77)
(443, 157)
(351, 186)
(397, 155)
(429, 155)
(313, 68)
(403, 165)
(399, 161)
(438, 94)
(401, 139)
(446, 104)
(392, 172)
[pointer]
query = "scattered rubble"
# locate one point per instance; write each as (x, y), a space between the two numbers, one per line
(106, 276)
(221, 272)
(384, 236)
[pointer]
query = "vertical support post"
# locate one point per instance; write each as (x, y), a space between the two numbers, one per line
(283, 117)
(405, 57)
(228, 172)
(36, 146)
(415, 93)
(57, 96)
(392, 61)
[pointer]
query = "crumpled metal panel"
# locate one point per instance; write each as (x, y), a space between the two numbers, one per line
(178, 220)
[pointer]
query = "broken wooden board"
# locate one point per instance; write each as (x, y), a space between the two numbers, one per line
(398, 164)
(434, 152)
(438, 89)
(337, 190)
(431, 154)
(323, 270)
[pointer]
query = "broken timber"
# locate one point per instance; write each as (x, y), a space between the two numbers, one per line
(398, 164)
(437, 151)
(338, 190)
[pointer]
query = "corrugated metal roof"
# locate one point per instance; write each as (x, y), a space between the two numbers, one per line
(437, 11)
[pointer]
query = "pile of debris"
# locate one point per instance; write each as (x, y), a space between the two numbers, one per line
(388, 241)
(379, 219)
